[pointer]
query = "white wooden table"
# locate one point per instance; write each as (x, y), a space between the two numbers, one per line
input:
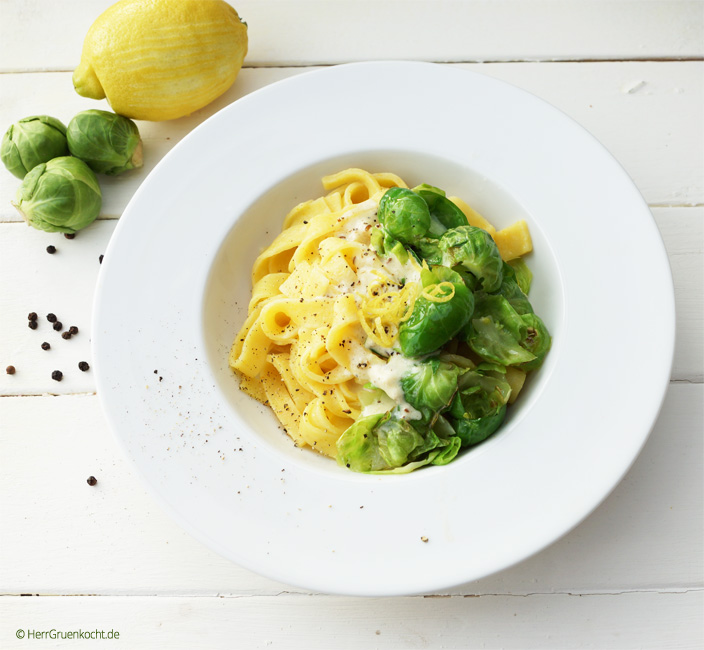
(630, 576)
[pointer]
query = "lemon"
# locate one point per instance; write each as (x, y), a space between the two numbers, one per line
(161, 59)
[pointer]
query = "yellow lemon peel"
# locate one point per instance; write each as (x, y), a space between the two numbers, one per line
(384, 308)
(441, 292)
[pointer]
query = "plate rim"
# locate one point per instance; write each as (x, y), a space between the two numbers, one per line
(104, 392)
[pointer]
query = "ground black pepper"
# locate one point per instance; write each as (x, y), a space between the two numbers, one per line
(51, 318)
(51, 249)
(57, 375)
(100, 259)
(69, 235)
(46, 346)
(58, 325)
(10, 370)
(73, 329)
(32, 324)
(83, 365)
(32, 315)
(92, 481)
(66, 335)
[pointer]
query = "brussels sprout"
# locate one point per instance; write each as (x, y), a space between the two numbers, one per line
(32, 141)
(387, 444)
(107, 142)
(447, 453)
(524, 276)
(377, 442)
(511, 290)
(385, 245)
(62, 195)
(501, 310)
(482, 391)
(493, 342)
(403, 214)
(441, 208)
(479, 407)
(424, 187)
(537, 340)
(430, 385)
(474, 250)
(432, 324)
(505, 330)
(472, 432)
(429, 250)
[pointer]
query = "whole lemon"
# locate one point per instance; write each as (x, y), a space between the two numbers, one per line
(161, 59)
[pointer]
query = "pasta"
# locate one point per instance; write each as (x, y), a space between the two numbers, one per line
(328, 304)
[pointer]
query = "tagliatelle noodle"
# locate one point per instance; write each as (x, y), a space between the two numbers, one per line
(321, 300)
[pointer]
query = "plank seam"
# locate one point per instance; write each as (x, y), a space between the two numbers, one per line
(620, 592)
(110, 217)
(319, 64)
(693, 381)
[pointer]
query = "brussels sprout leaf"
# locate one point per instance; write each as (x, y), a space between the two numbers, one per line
(432, 324)
(493, 342)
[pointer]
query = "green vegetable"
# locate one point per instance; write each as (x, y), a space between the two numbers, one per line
(474, 431)
(474, 250)
(432, 324)
(524, 276)
(470, 297)
(385, 245)
(387, 444)
(403, 214)
(479, 407)
(441, 208)
(62, 195)
(447, 453)
(377, 442)
(501, 310)
(32, 141)
(431, 385)
(499, 333)
(107, 142)
(537, 341)
(511, 290)
(493, 342)
(428, 249)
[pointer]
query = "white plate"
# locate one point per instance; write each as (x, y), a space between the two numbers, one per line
(175, 282)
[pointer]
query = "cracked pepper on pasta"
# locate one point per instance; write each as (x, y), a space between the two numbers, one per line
(389, 327)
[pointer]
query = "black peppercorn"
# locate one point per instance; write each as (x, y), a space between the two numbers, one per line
(92, 481)
(57, 375)
(83, 365)
(58, 325)
(32, 324)
(51, 318)
(66, 335)
(45, 346)
(69, 235)
(73, 329)
(32, 315)
(10, 370)
(51, 249)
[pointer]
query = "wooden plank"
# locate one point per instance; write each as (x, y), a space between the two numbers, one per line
(63, 284)
(647, 535)
(627, 106)
(547, 621)
(305, 32)
(682, 230)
